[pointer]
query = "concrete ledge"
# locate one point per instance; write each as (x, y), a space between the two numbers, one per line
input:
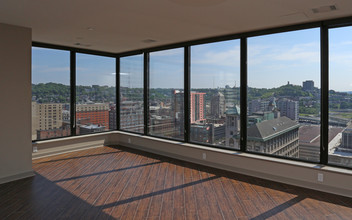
(69, 144)
(22, 175)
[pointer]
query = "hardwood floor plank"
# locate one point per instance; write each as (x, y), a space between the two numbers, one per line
(157, 200)
(190, 201)
(237, 206)
(130, 211)
(167, 205)
(201, 196)
(121, 183)
(144, 201)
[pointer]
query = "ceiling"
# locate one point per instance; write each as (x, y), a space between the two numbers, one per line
(125, 25)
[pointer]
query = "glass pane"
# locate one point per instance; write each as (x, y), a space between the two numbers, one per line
(215, 94)
(131, 97)
(340, 96)
(284, 94)
(50, 93)
(95, 93)
(166, 94)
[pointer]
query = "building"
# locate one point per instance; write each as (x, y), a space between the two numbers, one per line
(278, 136)
(178, 106)
(198, 110)
(164, 126)
(257, 117)
(88, 129)
(346, 143)
(309, 141)
(208, 133)
(63, 131)
(66, 115)
(112, 117)
(258, 105)
(46, 116)
(218, 105)
(231, 96)
(132, 116)
(96, 114)
(232, 128)
(308, 85)
(288, 108)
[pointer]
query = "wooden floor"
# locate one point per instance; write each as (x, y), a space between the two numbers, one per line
(119, 183)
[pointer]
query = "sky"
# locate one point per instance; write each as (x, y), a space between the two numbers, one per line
(273, 60)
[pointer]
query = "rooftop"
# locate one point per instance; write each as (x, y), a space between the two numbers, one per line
(270, 128)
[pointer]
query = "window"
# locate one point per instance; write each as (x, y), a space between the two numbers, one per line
(284, 94)
(166, 94)
(50, 89)
(340, 96)
(131, 94)
(95, 94)
(215, 94)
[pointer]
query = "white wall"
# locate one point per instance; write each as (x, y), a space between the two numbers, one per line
(15, 99)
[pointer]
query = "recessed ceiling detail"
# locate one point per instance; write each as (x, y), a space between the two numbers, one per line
(148, 41)
(324, 9)
(198, 3)
(83, 45)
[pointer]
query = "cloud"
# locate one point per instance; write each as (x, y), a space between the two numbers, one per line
(230, 57)
(298, 53)
(47, 69)
(171, 52)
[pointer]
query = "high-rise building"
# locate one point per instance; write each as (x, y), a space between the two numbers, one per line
(112, 117)
(288, 108)
(96, 114)
(231, 97)
(197, 107)
(178, 105)
(258, 105)
(46, 116)
(131, 116)
(218, 105)
(308, 85)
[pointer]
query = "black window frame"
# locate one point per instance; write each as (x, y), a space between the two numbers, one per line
(324, 62)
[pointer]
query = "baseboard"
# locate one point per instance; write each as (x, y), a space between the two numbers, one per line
(16, 177)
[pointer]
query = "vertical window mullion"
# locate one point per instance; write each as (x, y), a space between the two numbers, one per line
(324, 128)
(73, 92)
(243, 95)
(146, 93)
(118, 104)
(187, 71)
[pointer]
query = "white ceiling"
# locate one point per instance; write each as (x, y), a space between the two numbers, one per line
(123, 25)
